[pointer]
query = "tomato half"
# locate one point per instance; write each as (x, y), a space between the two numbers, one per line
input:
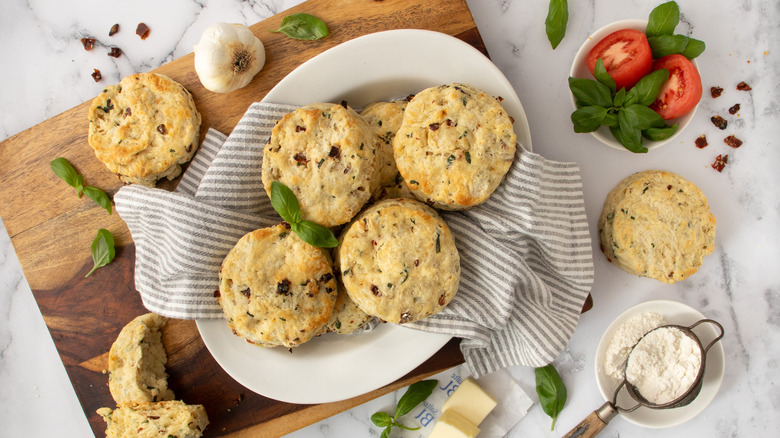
(681, 92)
(626, 55)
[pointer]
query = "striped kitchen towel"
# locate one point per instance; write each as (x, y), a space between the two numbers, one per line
(526, 260)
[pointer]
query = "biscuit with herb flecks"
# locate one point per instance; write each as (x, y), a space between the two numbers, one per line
(455, 145)
(144, 128)
(398, 261)
(275, 289)
(657, 224)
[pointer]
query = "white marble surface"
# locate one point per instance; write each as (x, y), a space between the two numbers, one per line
(46, 71)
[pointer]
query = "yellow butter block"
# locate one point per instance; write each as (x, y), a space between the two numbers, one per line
(453, 425)
(470, 401)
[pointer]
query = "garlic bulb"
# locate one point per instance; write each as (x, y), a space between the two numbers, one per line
(227, 57)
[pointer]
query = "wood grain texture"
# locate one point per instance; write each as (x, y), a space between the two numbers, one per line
(51, 229)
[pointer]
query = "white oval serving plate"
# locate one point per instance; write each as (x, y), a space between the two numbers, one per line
(376, 67)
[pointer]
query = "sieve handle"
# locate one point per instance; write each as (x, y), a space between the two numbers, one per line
(593, 423)
(717, 324)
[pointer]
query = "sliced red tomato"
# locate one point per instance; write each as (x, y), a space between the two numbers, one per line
(681, 92)
(626, 55)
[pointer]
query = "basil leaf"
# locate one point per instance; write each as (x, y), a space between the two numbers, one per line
(588, 118)
(315, 234)
(663, 45)
(551, 391)
(619, 98)
(601, 75)
(658, 134)
(589, 92)
(98, 196)
(303, 27)
(648, 87)
(381, 419)
(63, 169)
(663, 19)
(629, 137)
(639, 117)
(415, 395)
(694, 48)
(102, 250)
(632, 96)
(386, 432)
(609, 120)
(556, 21)
(285, 203)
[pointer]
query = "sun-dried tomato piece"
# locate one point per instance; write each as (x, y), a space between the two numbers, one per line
(701, 142)
(743, 86)
(375, 290)
(434, 126)
(300, 158)
(89, 43)
(142, 30)
(114, 30)
(115, 52)
(715, 92)
(247, 292)
(96, 75)
(720, 162)
(161, 129)
(299, 128)
(335, 152)
(720, 122)
(283, 287)
(734, 109)
(733, 141)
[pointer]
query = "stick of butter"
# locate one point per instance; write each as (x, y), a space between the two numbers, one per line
(453, 425)
(470, 401)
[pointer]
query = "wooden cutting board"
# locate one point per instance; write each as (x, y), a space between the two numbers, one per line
(52, 229)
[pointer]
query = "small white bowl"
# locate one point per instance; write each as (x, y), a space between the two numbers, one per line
(580, 70)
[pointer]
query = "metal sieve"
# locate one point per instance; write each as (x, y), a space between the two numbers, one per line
(598, 419)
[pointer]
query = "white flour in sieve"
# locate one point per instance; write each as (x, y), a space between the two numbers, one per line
(664, 364)
(626, 336)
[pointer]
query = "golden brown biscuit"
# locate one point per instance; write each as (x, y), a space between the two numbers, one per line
(155, 420)
(326, 154)
(398, 261)
(144, 128)
(657, 224)
(276, 289)
(385, 118)
(454, 146)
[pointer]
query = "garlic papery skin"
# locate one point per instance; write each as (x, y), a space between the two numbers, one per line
(227, 57)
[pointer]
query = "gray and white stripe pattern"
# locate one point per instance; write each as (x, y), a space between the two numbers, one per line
(526, 261)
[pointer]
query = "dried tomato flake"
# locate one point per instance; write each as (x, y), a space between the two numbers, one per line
(96, 75)
(247, 292)
(161, 129)
(300, 158)
(375, 290)
(88, 43)
(299, 128)
(716, 92)
(283, 287)
(734, 109)
(701, 142)
(434, 126)
(720, 122)
(115, 52)
(743, 86)
(335, 152)
(114, 30)
(720, 162)
(142, 31)
(733, 141)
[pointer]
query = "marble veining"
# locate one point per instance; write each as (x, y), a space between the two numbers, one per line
(47, 72)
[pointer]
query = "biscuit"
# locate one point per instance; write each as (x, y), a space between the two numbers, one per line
(385, 118)
(326, 154)
(155, 420)
(454, 146)
(144, 128)
(347, 317)
(136, 362)
(276, 289)
(398, 261)
(657, 224)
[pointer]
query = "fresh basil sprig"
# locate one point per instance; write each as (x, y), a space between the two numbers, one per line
(551, 391)
(286, 204)
(413, 396)
(661, 37)
(63, 169)
(626, 113)
(102, 250)
(303, 27)
(557, 19)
